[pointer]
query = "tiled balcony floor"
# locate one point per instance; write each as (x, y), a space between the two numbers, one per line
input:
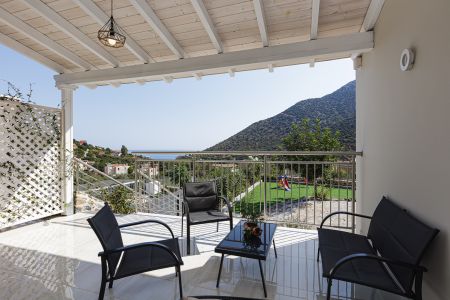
(57, 259)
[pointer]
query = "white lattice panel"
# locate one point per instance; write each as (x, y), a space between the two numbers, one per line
(30, 168)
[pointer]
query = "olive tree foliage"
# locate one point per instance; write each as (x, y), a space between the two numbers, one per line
(311, 136)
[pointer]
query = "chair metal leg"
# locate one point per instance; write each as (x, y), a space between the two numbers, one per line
(179, 282)
(111, 281)
(318, 253)
(103, 284)
(262, 278)
(217, 227)
(188, 238)
(330, 281)
(220, 271)
(418, 286)
(181, 224)
(231, 224)
(275, 248)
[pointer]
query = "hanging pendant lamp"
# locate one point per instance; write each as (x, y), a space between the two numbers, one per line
(111, 34)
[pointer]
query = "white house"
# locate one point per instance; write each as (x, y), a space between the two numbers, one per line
(116, 169)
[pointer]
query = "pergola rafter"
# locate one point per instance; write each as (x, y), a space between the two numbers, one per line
(315, 19)
(152, 19)
(261, 19)
(202, 13)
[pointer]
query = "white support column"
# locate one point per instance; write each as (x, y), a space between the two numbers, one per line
(67, 147)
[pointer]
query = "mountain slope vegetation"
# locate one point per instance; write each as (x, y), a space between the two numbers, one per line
(336, 111)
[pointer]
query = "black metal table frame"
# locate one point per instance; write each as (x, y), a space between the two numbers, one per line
(236, 253)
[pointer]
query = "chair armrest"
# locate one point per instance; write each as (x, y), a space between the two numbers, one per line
(140, 245)
(344, 213)
(351, 257)
(148, 221)
(186, 208)
(229, 206)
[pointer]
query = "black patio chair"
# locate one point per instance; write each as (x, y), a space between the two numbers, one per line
(119, 261)
(388, 258)
(201, 204)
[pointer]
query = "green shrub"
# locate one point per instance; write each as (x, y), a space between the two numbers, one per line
(120, 200)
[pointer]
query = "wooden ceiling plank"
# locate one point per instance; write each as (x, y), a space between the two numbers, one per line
(16, 46)
(72, 31)
(42, 39)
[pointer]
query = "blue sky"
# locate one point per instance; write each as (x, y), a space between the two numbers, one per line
(187, 114)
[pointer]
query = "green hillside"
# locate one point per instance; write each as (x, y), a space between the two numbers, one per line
(336, 111)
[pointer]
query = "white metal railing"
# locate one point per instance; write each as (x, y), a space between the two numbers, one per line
(294, 188)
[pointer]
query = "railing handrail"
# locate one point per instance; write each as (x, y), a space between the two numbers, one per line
(255, 153)
(101, 173)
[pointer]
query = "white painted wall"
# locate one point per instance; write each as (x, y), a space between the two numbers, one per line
(403, 124)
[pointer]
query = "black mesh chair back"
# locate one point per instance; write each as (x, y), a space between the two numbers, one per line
(398, 235)
(106, 228)
(201, 196)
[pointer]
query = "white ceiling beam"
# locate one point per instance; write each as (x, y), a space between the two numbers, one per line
(260, 58)
(18, 47)
(203, 14)
(101, 18)
(161, 30)
(315, 19)
(261, 19)
(69, 29)
(373, 12)
(42, 39)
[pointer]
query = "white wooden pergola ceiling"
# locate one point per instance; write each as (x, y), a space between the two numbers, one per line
(168, 39)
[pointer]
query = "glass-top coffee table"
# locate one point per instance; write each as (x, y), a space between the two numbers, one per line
(256, 247)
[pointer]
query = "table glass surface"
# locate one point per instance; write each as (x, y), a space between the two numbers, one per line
(258, 247)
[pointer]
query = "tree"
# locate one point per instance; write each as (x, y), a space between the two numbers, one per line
(312, 137)
(124, 151)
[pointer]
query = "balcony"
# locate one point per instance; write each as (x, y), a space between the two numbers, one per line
(57, 259)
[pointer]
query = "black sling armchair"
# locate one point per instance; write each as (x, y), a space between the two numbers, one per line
(119, 261)
(201, 204)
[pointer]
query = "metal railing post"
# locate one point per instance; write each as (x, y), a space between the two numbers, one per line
(135, 183)
(353, 191)
(265, 187)
(193, 168)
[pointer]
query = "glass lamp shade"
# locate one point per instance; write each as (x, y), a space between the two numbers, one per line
(111, 34)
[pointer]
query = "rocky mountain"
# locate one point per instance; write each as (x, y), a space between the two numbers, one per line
(337, 111)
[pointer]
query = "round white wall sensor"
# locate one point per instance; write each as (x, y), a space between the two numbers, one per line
(407, 60)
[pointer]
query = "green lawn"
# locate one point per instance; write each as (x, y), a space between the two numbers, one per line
(298, 191)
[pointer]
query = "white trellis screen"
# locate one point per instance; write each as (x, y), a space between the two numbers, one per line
(30, 167)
